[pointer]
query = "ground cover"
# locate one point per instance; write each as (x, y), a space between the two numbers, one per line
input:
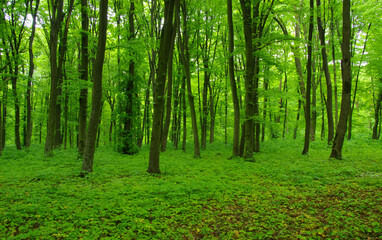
(283, 195)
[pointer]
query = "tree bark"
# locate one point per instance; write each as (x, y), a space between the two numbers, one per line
(166, 125)
(235, 99)
(308, 81)
(84, 75)
(165, 43)
(30, 76)
(376, 115)
(185, 56)
(88, 156)
(249, 74)
(329, 91)
(346, 83)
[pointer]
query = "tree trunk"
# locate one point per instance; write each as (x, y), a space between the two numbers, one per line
(334, 67)
(309, 80)
(84, 75)
(160, 82)
(30, 76)
(376, 116)
(185, 56)
(329, 91)
(249, 74)
(346, 83)
(88, 155)
(235, 99)
(167, 120)
(56, 19)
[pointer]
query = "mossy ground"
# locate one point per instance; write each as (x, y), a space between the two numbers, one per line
(281, 195)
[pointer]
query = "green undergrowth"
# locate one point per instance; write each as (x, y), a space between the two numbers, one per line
(282, 195)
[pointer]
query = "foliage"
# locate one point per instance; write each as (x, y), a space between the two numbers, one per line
(282, 195)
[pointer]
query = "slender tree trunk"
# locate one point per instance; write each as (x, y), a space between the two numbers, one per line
(334, 67)
(329, 92)
(88, 155)
(167, 120)
(314, 101)
(235, 99)
(309, 80)
(295, 130)
(84, 75)
(185, 56)
(376, 116)
(164, 48)
(346, 83)
(30, 76)
(184, 119)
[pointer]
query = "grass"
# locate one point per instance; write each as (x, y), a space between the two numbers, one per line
(282, 195)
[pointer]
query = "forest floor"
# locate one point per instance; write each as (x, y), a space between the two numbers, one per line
(282, 195)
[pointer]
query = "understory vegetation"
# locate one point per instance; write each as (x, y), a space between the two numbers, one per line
(282, 195)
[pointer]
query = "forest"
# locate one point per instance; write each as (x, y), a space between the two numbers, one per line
(190, 119)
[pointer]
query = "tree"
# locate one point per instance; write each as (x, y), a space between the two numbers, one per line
(235, 100)
(185, 59)
(329, 92)
(165, 43)
(308, 80)
(84, 75)
(249, 74)
(30, 74)
(57, 16)
(346, 83)
(88, 157)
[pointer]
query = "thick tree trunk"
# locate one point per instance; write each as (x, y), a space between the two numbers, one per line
(88, 156)
(308, 81)
(249, 74)
(346, 83)
(84, 75)
(160, 82)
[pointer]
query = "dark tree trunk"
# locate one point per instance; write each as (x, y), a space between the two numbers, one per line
(160, 82)
(84, 73)
(88, 155)
(235, 99)
(329, 91)
(167, 120)
(28, 96)
(376, 116)
(346, 83)
(313, 122)
(334, 67)
(249, 74)
(295, 130)
(145, 113)
(184, 119)
(128, 121)
(56, 19)
(309, 80)
(185, 56)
